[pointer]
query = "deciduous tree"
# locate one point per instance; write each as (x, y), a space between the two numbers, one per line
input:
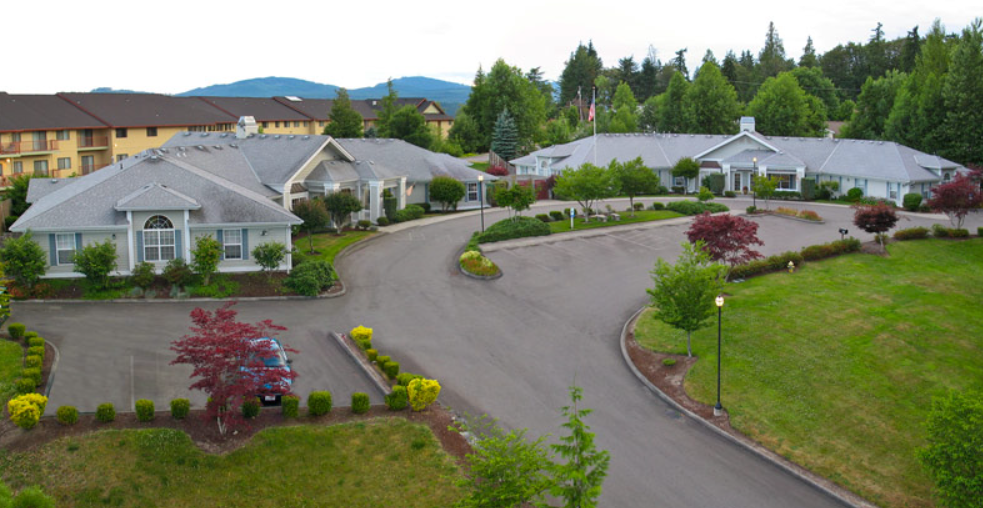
(712, 102)
(205, 257)
(634, 179)
(686, 168)
(409, 125)
(24, 260)
(586, 185)
(781, 108)
(341, 205)
(446, 191)
(764, 187)
(726, 238)
(315, 216)
(875, 219)
(625, 117)
(672, 113)
(269, 255)
(227, 365)
(957, 198)
(684, 293)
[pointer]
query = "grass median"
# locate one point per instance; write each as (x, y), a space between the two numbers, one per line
(11, 361)
(835, 366)
(327, 245)
(562, 226)
(383, 462)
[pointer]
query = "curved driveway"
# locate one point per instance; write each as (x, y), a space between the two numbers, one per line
(511, 347)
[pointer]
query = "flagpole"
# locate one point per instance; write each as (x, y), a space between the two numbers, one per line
(593, 105)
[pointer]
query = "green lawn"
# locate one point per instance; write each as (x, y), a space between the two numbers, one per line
(563, 226)
(328, 245)
(480, 166)
(383, 462)
(11, 363)
(835, 366)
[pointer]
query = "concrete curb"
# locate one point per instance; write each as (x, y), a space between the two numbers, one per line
(54, 367)
(816, 481)
(473, 276)
(783, 216)
(374, 376)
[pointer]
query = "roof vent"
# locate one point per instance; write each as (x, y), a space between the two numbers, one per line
(291, 136)
(162, 150)
(293, 98)
(154, 157)
(307, 137)
(785, 138)
(217, 147)
(262, 136)
(182, 148)
(53, 181)
(233, 145)
(202, 148)
(204, 134)
(224, 134)
(276, 137)
(186, 133)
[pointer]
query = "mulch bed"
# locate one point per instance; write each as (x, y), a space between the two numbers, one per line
(205, 433)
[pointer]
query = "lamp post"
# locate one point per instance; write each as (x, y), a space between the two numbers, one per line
(718, 409)
(481, 196)
(754, 193)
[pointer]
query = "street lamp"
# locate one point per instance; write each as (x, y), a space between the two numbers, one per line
(754, 193)
(718, 409)
(481, 196)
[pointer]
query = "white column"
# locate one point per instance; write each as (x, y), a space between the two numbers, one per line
(402, 194)
(375, 205)
(129, 240)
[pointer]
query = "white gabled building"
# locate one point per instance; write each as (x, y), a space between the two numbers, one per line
(882, 169)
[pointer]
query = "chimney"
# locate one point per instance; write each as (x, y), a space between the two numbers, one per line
(747, 123)
(246, 127)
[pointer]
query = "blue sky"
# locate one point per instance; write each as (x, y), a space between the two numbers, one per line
(178, 45)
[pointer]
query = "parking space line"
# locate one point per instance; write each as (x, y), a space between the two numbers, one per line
(646, 246)
(133, 401)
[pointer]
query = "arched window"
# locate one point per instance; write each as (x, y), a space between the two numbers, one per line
(946, 177)
(158, 239)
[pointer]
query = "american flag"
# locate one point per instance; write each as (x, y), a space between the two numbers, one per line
(590, 116)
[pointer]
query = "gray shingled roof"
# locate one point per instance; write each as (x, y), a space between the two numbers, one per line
(43, 187)
(418, 164)
(90, 201)
(880, 160)
(41, 113)
(264, 109)
(147, 110)
(155, 196)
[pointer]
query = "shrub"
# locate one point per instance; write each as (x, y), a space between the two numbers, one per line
(33, 374)
(557, 215)
(715, 183)
(678, 189)
(519, 227)
(105, 413)
(33, 362)
(474, 262)
(769, 264)
(566, 212)
(668, 362)
(360, 403)
(808, 189)
(422, 393)
(25, 410)
(28, 335)
(781, 210)
(16, 330)
(67, 415)
(269, 255)
(912, 201)
(381, 360)
(940, 231)
(145, 410)
(35, 342)
(959, 233)
(730, 194)
(382, 221)
(362, 336)
(143, 275)
(24, 385)
(371, 354)
(911, 233)
(705, 194)
(814, 252)
(425, 207)
(544, 217)
(810, 215)
(638, 206)
(36, 350)
(33, 497)
(290, 406)
(695, 207)
(391, 369)
(398, 399)
(178, 273)
(364, 224)
(411, 212)
(319, 403)
(787, 196)
(24, 260)
(979, 231)
(854, 195)
(250, 407)
(311, 277)
(180, 408)
(751, 209)
(404, 378)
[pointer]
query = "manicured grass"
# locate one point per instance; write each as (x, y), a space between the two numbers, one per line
(11, 363)
(835, 366)
(626, 218)
(480, 166)
(328, 245)
(384, 462)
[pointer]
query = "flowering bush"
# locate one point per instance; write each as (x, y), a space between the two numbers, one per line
(474, 263)
(362, 336)
(422, 393)
(25, 410)
(809, 215)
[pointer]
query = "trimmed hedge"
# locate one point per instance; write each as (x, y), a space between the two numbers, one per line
(290, 406)
(16, 330)
(404, 378)
(372, 354)
(398, 399)
(695, 207)
(940, 231)
(912, 201)
(67, 415)
(557, 215)
(382, 221)
(35, 342)
(360, 403)
(780, 261)
(543, 217)
(145, 410)
(36, 350)
(411, 212)
(519, 227)
(180, 408)
(827, 250)
(959, 233)
(250, 407)
(311, 277)
(33, 374)
(319, 403)
(911, 233)
(33, 361)
(24, 385)
(105, 413)
(979, 231)
(391, 369)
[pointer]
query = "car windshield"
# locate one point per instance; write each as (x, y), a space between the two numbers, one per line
(274, 361)
(277, 358)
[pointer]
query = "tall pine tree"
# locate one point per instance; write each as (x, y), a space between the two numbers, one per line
(772, 59)
(963, 96)
(809, 58)
(505, 137)
(918, 114)
(345, 122)
(580, 72)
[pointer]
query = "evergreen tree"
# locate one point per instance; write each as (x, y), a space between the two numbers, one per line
(680, 63)
(580, 72)
(506, 87)
(625, 117)
(809, 58)
(874, 106)
(729, 68)
(578, 482)
(535, 76)
(772, 60)
(386, 113)
(673, 114)
(628, 73)
(919, 111)
(877, 57)
(709, 57)
(505, 138)
(648, 78)
(345, 122)
(465, 132)
(909, 51)
(712, 102)
(746, 83)
(780, 108)
(963, 96)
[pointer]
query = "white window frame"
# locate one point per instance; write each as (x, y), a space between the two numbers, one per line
(779, 177)
(228, 234)
(62, 243)
(467, 196)
(63, 135)
(155, 241)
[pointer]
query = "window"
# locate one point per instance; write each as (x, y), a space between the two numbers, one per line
(276, 124)
(296, 124)
(120, 157)
(88, 164)
(121, 133)
(15, 137)
(472, 191)
(151, 132)
(40, 168)
(786, 182)
(40, 140)
(18, 167)
(63, 135)
(320, 124)
(65, 244)
(679, 181)
(232, 240)
(266, 124)
(64, 163)
(158, 239)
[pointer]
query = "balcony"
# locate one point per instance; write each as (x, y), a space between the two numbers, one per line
(89, 168)
(27, 147)
(93, 142)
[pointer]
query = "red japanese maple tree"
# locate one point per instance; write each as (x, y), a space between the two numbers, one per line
(230, 367)
(498, 171)
(958, 198)
(726, 238)
(875, 219)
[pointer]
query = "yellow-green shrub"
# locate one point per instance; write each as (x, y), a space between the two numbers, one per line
(423, 392)
(25, 410)
(474, 263)
(362, 336)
